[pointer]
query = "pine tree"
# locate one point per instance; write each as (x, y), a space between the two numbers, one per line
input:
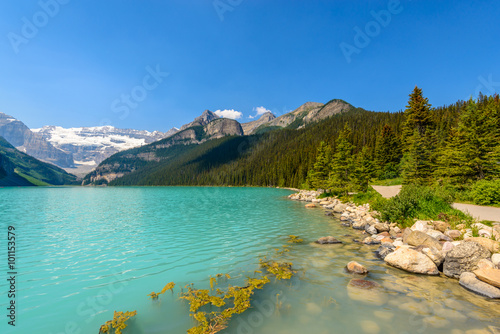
(418, 140)
(388, 153)
(342, 163)
(472, 152)
(318, 175)
(364, 170)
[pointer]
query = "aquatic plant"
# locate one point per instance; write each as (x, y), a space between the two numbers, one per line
(118, 322)
(169, 286)
(294, 239)
(237, 300)
(281, 270)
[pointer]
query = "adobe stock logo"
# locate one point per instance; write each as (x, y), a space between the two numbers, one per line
(372, 29)
(138, 93)
(223, 6)
(31, 27)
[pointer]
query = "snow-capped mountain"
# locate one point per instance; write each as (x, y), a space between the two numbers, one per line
(91, 145)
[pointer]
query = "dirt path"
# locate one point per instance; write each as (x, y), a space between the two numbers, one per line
(479, 212)
(387, 191)
(476, 211)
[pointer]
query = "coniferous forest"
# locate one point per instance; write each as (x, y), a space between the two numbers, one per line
(454, 147)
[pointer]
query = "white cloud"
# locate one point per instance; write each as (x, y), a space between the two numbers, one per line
(229, 113)
(259, 111)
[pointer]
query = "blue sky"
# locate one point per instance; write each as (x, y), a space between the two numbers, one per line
(83, 58)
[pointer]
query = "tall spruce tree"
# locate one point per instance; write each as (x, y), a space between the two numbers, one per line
(364, 170)
(387, 154)
(418, 140)
(342, 166)
(318, 175)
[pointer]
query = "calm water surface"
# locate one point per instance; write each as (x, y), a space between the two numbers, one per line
(84, 252)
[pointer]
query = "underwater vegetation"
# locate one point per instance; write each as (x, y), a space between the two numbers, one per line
(118, 322)
(213, 308)
(169, 286)
(295, 239)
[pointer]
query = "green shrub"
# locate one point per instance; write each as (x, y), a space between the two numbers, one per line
(419, 202)
(486, 192)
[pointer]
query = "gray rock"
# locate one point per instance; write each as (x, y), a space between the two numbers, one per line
(435, 255)
(382, 227)
(417, 238)
(370, 229)
(469, 281)
(412, 261)
(495, 258)
(339, 208)
(359, 225)
(371, 241)
(384, 250)
(346, 224)
(464, 258)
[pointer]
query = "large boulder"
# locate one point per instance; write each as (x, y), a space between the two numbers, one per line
(464, 258)
(491, 245)
(417, 238)
(411, 260)
(470, 282)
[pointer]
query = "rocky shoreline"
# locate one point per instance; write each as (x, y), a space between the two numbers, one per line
(426, 248)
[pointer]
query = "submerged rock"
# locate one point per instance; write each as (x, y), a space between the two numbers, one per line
(356, 268)
(363, 284)
(464, 258)
(327, 240)
(371, 241)
(469, 281)
(412, 261)
(310, 206)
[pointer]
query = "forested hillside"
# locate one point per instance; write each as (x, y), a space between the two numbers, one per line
(343, 152)
(20, 169)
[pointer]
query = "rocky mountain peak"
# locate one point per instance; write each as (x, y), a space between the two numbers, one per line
(206, 117)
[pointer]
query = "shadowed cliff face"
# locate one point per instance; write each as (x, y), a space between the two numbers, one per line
(21, 137)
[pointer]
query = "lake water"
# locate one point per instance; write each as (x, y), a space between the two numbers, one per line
(84, 252)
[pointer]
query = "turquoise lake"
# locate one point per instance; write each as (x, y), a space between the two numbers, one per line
(82, 253)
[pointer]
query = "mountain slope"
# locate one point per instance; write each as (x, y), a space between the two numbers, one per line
(250, 127)
(90, 146)
(20, 169)
(21, 137)
(132, 160)
(276, 158)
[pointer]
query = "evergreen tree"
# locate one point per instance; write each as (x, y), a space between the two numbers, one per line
(471, 153)
(388, 153)
(364, 170)
(342, 163)
(418, 140)
(318, 175)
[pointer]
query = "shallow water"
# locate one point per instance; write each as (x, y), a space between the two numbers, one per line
(84, 252)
